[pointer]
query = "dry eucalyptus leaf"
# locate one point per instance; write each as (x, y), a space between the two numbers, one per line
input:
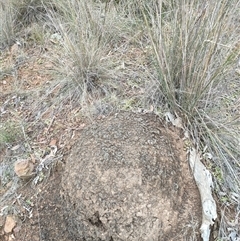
(204, 182)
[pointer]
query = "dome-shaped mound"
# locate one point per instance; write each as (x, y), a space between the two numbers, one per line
(127, 178)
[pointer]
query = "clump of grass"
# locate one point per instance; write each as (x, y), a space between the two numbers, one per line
(6, 23)
(194, 56)
(16, 15)
(88, 30)
(81, 31)
(29, 11)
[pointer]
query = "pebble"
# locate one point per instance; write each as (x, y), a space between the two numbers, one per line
(10, 223)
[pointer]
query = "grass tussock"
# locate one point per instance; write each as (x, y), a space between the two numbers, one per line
(194, 51)
(87, 35)
(18, 15)
(6, 23)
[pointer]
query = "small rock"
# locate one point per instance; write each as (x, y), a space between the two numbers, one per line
(11, 237)
(17, 229)
(23, 168)
(10, 223)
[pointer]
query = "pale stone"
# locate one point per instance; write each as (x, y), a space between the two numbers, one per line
(23, 168)
(10, 223)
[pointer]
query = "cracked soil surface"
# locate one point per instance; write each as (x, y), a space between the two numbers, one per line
(127, 178)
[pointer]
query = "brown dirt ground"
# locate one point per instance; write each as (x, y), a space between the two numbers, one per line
(171, 197)
(127, 178)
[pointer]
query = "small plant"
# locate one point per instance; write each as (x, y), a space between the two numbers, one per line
(9, 133)
(218, 174)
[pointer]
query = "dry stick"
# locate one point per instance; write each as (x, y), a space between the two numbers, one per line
(50, 124)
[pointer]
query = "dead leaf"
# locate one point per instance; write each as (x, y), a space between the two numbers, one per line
(53, 142)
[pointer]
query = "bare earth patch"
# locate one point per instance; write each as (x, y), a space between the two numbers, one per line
(127, 178)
